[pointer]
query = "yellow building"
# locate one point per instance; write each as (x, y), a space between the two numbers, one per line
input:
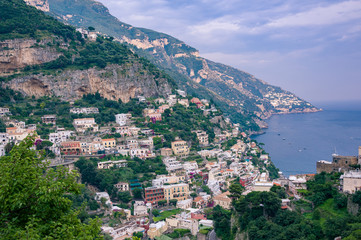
(180, 148)
(176, 191)
(223, 200)
(109, 143)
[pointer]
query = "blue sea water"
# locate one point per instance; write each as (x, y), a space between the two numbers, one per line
(296, 142)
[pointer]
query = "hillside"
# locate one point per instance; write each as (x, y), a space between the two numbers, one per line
(240, 90)
(41, 56)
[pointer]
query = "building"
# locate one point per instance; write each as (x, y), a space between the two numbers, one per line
(90, 110)
(4, 138)
(338, 164)
(184, 204)
(176, 191)
(122, 186)
(110, 164)
(105, 195)
(83, 124)
(4, 111)
(157, 229)
(123, 118)
(109, 143)
(60, 136)
(166, 152)
(223, 200)
(202, 137)
(262, 186)
(49, 119)
(2, 150)
(140, 209)
(351, 181)
(70, 148)
(183, 102)
(180, 148)
(154, 194)
(172, 164)
(162, 108)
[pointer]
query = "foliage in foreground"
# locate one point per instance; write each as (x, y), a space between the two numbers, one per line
(34, 202)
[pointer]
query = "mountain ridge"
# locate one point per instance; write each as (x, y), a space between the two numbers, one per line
(245, 92)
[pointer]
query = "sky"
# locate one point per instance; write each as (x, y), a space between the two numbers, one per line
(311, 48)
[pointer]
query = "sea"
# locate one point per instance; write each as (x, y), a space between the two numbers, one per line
(295, 142)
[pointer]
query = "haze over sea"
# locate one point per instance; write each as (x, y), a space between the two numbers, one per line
(296, 142)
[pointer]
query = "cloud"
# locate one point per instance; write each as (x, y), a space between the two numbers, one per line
(327, 15)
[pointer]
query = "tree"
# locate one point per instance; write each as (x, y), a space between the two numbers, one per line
(236, 190)
(193, 195)
(33, 202)
(137, 193)
(125, 197)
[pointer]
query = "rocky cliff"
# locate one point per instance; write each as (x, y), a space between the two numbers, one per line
(113, 82)
(19, 53)
(42, 5)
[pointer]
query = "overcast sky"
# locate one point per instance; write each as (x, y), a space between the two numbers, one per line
(311, 48)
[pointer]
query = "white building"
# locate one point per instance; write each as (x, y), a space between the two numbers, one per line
(82, 124)
(351, 181)
(140, 209)
(109, 164)
(90, 110)
(123, 118)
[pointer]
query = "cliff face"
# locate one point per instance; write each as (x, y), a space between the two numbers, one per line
(18, 53)
(42, 5)
(113, 82)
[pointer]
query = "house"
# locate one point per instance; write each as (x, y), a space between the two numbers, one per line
(122, 186)
(166, 152)
(83, 124)
(90, 110)
(4, 111)
(60, 136)
(262, 186)
(49, 119)
(162, 108)
(184, 204)
(223, 200)
(109, 143)
(176, 191)
(172, 164)
(183, 102)
(351, 181)
(105, 195)
(202, 137)
(183, 222)
(191, 166)
(154, 194)
(157, 229)
(140, 209)
(70, 148)
(123, 118)
(110, 164)
(199, 202)
(180, 148)
(4, 138)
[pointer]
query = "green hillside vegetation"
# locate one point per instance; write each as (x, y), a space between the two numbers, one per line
(36, 201)
(321, 215)
(17, 20)
(180, 123)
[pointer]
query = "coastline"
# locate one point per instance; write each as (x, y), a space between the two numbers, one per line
(263, 125)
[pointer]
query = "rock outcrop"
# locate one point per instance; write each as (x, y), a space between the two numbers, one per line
(19, 53)
(113, 82)
(42, 5)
